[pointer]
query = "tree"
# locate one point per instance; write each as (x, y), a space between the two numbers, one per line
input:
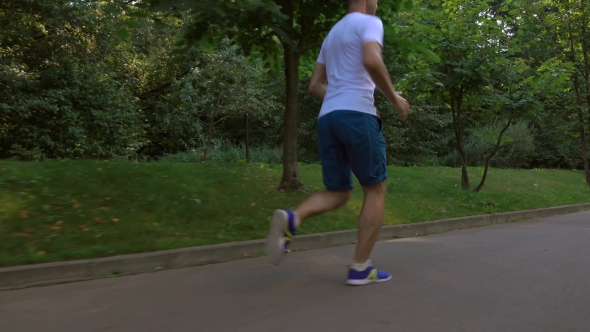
(225, 86)
(466, 47)
(285, 33)
(147, 65)
(569, 20)
(474, 68)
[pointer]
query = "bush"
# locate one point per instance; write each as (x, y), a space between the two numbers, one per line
(554, 146)
(224, 152)
(516, 151)
(64, 112)
(422, 139)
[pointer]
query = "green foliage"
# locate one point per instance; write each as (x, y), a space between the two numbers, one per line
(65, 112)
(94, 79)
(516, 150)
(56, 101)
(554, 147)
(216, 87)
(421, 139)
(476, 71)
(284, 33)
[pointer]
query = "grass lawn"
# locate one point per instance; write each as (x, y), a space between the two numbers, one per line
(64, 210)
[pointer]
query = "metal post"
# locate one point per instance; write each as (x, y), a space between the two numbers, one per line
(247, 143)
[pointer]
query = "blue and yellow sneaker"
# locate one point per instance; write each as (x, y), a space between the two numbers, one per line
(368, 276)
(282, 230)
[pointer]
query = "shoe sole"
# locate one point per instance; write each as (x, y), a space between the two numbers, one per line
(275, 248)
(363, 282)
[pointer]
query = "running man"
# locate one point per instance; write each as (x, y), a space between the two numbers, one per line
(348, 68)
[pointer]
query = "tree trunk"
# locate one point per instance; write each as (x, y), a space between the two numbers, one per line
(458, 128)
(247, 142)
(579, 101)
(211, 122)
(208, 138)
(464, 175)
(485, 171)
(584, 145)
(583, 142)
(587, 81)
(291, 180)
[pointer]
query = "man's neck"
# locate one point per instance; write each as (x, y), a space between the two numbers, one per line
(360, 8)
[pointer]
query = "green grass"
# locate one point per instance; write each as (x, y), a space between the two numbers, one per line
(64, 210)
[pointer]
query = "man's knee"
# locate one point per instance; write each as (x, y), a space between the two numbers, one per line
(379, 188)
(347, 195)
(342, 196)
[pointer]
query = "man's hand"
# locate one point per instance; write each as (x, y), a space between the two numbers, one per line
(401, 105)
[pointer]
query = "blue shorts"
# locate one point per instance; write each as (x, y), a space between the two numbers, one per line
(351, 142)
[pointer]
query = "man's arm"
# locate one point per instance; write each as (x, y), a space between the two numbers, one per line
(373, 63)
(318, 82)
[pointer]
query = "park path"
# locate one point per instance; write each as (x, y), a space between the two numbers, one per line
(527, 276)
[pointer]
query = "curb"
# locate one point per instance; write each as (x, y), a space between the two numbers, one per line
(79, 270)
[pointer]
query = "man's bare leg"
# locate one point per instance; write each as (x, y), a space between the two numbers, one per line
(322, 202)
(370, 221)
(284, 223)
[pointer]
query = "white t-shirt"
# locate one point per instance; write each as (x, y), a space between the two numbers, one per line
(350, 86)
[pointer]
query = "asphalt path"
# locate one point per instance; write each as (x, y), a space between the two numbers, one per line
(527, 276)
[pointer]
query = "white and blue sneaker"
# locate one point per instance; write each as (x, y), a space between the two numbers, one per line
(282, 231)
(368, 276)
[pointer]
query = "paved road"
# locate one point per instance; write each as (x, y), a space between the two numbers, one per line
(526, 276)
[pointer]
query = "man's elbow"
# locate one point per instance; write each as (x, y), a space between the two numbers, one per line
(314, 89)
(310, 89)
(371, 64)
